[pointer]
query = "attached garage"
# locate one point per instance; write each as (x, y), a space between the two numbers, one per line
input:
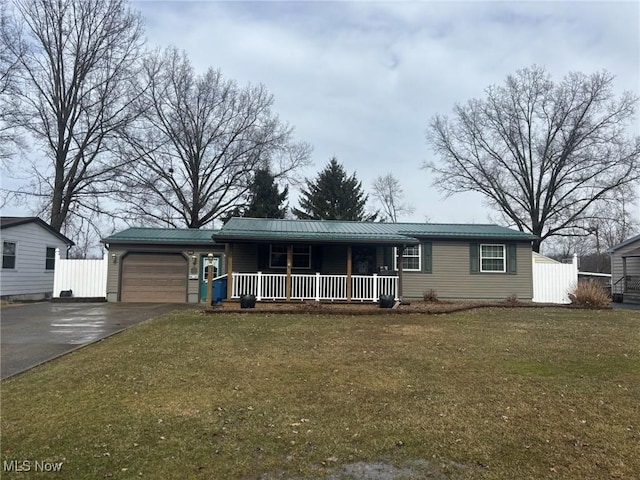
(161, 264)
(154, 278)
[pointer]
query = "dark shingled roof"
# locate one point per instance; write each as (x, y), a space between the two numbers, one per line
(8, 222)
(334, 231)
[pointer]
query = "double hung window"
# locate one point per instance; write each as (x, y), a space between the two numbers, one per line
(492, 258)
(8, 255)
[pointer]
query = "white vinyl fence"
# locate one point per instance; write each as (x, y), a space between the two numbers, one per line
(552, 282)
(85, 278)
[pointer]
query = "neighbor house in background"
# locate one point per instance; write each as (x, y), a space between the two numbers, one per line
(625, 271)
(160, 265)
(28, 257)
(358, 261)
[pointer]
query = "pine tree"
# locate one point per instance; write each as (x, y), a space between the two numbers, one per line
(265, 198)
(333, 196)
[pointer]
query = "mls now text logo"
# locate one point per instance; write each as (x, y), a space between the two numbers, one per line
(19, 466)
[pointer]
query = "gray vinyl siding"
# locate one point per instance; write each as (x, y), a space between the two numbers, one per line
(334, 260)
(245, 257)
(30, 276)
(633, 263)
(193, 286)
(451, 278)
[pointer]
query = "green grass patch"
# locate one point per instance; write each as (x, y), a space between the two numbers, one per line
(485, 394)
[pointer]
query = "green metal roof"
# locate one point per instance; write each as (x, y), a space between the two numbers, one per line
(334, 231)
(161, 235)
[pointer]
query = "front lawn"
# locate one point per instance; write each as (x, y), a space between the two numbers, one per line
(482, 394)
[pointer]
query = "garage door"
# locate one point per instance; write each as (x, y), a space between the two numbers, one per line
(154, 278)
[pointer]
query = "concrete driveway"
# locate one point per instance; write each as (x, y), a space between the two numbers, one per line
(31, 334)
(626, 306)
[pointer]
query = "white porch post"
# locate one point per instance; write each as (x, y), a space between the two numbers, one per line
(317, 286)
(400, 262)
(349, 257)
(375, 287)
(259, 287)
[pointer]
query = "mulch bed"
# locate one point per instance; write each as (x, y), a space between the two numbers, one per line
(359, 308)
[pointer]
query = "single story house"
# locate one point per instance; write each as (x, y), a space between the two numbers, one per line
(161, 265)
(28, 257)
(625, 271)
(358, 261)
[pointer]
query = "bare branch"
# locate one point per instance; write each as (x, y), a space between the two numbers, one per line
(389, 194)
(545, 155)
(198, 142)
(79, 65)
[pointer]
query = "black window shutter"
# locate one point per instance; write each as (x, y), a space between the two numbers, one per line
(427, 257)
(474, 258)
(512, 259)
(387, 257)
(263, 256)
(316, 258)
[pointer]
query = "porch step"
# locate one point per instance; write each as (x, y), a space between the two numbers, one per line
(631, 298)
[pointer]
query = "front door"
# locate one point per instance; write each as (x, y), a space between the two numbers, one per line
(205, 274)
(364, 260)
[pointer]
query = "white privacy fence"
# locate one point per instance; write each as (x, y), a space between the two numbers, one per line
(273, 286)
(85, 278)
(552, 282)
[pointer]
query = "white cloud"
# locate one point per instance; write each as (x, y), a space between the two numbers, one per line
(360, 80)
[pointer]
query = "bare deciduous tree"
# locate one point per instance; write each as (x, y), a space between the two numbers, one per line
(11, 54)
(388, 192)
(197, 143)
(544, 154)
(79, 64)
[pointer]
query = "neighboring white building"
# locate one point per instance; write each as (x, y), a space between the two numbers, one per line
(625, 270)
(28, 257)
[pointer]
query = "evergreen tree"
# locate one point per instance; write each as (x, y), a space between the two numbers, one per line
(333, 196)
(265, 198)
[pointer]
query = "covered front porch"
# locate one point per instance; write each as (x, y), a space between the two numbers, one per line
(298, 272)
(318, 287)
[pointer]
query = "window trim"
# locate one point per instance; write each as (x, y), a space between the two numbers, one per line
(283, 267)
(419, 257)
(47, 258)
(503, 258)
(15, 255)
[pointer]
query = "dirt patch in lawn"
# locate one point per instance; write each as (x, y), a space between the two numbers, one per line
(419, 469)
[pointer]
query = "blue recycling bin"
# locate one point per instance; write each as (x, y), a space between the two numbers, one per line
(219, 287)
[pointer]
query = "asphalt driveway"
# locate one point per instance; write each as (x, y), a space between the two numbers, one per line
(31, 334)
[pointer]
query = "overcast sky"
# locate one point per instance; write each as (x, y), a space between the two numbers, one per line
(360, 80)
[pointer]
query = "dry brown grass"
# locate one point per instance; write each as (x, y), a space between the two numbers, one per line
(483, 394)
(590, 294)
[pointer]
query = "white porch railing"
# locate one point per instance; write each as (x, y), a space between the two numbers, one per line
(273, 286)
